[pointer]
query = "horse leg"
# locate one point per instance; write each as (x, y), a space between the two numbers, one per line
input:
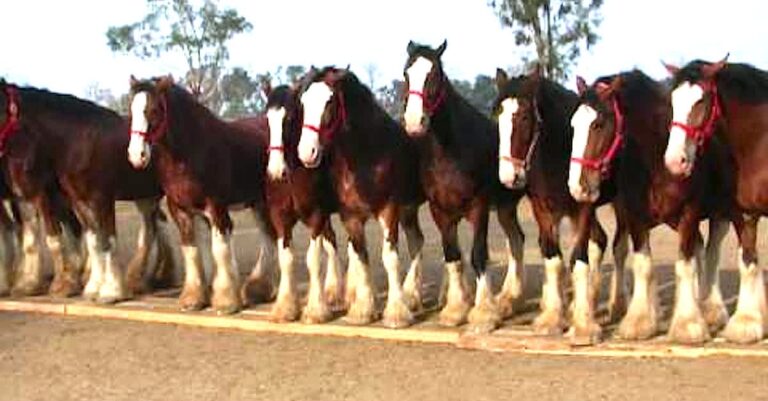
(334, 286)
(28, 280)
(551, 320)
(454, 289)
(8, 250)
(712, 305)
(102, 243)
(259, 286)
(317, 310)
(412, 291)
(511, 294)
(617, 295)
(194, 293)
(396, 312)
(484, 316)
(688, 325)
(641, 320)
(66, 280)
(595, 251)
(362, 309)
(225, 297)
(286, 307)
(141, 267)
(748, 323)
(584, 328)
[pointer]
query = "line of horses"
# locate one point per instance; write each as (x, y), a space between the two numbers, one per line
(658, 155)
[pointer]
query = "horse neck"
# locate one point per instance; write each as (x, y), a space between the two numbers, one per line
(191, 125)
(646, 133)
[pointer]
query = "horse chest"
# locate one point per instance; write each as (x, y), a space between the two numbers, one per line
(446, 185)
(179, 183)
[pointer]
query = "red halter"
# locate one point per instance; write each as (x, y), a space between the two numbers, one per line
(430, 107)
(160, 129)
(334, 125)
(11, 125)
(703, 132)
(604, 162)
(526, 163)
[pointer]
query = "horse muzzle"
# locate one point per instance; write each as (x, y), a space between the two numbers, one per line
(584, 195)
(679, 164)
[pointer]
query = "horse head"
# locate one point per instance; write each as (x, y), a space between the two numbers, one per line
(323, 112)
(148, 115)
(425, 86)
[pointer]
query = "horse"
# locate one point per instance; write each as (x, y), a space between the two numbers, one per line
(205, 166)
(59, 163)
(620, 129)
(371, 164)
(296, 193)
(458, 152)
(728, 102)
(535, 135)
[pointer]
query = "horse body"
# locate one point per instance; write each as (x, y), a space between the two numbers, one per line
(728, 102)
(630, 113)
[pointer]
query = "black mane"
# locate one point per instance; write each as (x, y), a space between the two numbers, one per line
(68, 105)
(735, 80)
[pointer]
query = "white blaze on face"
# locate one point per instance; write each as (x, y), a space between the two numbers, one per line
(414, 106)
(276, 164)
(314, 100)
(581, 121)
(138, 148)
(684, 97)
(506, 168)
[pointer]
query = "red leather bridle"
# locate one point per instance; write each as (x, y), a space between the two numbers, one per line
(158, 130)
(603, 163)
(11, 125)
(430, 107)
(703, 132)
(526, 163)
(335, 124)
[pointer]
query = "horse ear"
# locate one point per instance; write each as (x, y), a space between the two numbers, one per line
(501, 79)
(266, 87)
(411, 48)
(710, 70)
(133, 81)
(604, 90)
(581, 85)
(441, 48)
(165, 82)
(672, 69)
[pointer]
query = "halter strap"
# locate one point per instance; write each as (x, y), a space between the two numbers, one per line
(603, 163)
(160, 129)
(431, 107)
(280, 148)
(702, 133)
(11, 125)
(335, 125)
(526, 163)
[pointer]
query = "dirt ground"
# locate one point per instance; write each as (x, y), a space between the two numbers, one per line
(57, 358)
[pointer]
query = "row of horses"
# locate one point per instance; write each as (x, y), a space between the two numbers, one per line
(325, 146)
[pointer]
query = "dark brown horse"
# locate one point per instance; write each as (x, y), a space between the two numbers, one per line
(620, 129)
(728, 102)
(295, 193)
(61, 143)
(534, 149)
(371, 162)
(458, 151)
(204, 165)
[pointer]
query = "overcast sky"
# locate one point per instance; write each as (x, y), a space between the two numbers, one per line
(61, 45)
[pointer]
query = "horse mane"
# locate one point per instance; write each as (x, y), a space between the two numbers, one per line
(637, 89)
(736, 80)
(67, 105)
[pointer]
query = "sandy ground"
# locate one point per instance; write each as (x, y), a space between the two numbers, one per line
(56, 358)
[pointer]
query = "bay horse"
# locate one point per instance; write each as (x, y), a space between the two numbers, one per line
(204, 165)
(620, 129)
(57, 144)
(296, 193)
(535, 137)
(728, 102)
(458, 152)
(371, 164)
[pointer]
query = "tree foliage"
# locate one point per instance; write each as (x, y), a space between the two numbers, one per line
(556, 28)
(199, 32)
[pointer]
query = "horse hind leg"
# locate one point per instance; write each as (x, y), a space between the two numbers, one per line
(412, 286)
(7, 250)
(617, 292)
(28, 278)
(511, 295)
(225, 298)
(712, 305)
(259, 286)
(144, 262)
(66, 261)
(484, 316)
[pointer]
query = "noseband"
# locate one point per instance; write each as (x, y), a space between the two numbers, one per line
(603, 163)
(160, 129)
(431, 106)
(702, 133)
(334, 125)
(11, 125)
(526, 163)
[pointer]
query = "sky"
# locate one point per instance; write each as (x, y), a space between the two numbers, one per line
(61, 45)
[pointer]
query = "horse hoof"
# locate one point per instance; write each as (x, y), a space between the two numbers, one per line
(616, 310)
(227, 309)
(549, 323)
(64, 288)
(637, 327)
(715, 315)
(192, 302)
(484, 318)
(109, 299)
(584, 336)
(258, 291)
(27, 290)
(315, 315)
(507, 305)
(744, 329)
(454, 315)
(138, 287)
(397, 316)
(284, 311)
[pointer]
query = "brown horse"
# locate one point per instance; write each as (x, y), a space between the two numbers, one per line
(620, 129)
(204, 165)
(296, 193)
(534, 148)
(458, 152)
(371, 162)
(61, 143)
(730, 102)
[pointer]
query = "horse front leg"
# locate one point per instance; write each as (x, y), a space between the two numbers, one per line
(66, 280)
(259, 286)
(28, 278)
(8, 252)
(141, 267)
(334, 284)
(412, 286)
(551, 319)
(617, 293)
(101, 242)
(484, 316)
(453, 292)
(317, 310)
(225, 297)
(511, 295)
(712, 305)
(641, 321)
(396, 312)
(748, 323)
(584, 328)
(362, 309)
(194, 293)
